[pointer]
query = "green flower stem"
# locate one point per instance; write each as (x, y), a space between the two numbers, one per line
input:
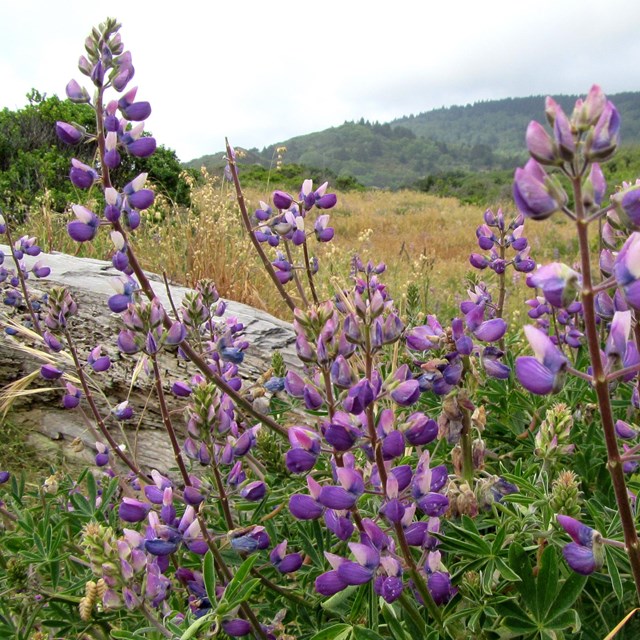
(412, 611)
(155, 622)
(601, 384)
(466, 444)
(285, 593)
(224, 499)
(418, 580)
(225, 574)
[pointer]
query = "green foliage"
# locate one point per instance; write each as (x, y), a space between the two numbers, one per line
(33, 161)
(466, 152)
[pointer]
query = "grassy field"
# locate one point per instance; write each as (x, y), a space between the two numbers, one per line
(422, 238)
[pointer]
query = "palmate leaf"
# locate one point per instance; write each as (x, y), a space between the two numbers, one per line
(334, 632)
(547, 582)
(362, 633)
(519, 562)
(393, 624)
(209, 577)
(569, 618)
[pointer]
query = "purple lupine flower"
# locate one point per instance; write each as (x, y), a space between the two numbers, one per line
(626, 270)
(434, 504)
(132, 510)
(68, 133)
(330, 583)
(85, 227)
(540, 144)
(283, 562)
(580, 533)
(624, 430)
(562, 133)
(581, 559)
(142, 147)
(254, 491)
(82, 175)
(181, 389)
(339, 523)
(4, 476)
(236, 627)
(359, 397)
(627, 203)
(585, 554)
(559, 283)
(307, 507)
(602, 140)
(440, 587)
(76, 93)
(536, 194)
(102, 455)
(71, 398)
(544, 372)
(419, 429)
(281, 200)
(255, 540)
(594, 187)
(406, 393)
(50, 372)
(98, 362)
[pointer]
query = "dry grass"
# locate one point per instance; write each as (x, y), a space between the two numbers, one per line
(423, 239)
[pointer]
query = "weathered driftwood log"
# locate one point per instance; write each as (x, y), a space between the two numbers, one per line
(88, 280)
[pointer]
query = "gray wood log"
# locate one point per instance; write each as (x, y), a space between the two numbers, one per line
(88, 282)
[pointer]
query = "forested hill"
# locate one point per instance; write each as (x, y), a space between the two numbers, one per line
(483, 137)
(500, 124)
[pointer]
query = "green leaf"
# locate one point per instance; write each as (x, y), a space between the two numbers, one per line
(564, 620)
(238, 579)
(119, 634)
(245, 591)
(505, 571)
(569, 591)
(614, 573)
(362, 633)
(92, 489)
(510, 608)
(498, 541)
(547, 583)
(193, 628)
(519, 562)
(520, 626)
(209, 577)
(393, 624)
(337, 603)
(359, 600)
(334, 632)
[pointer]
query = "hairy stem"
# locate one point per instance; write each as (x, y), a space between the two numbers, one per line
(247, 223)
(96, 412)
(168, 424)
(601, 384)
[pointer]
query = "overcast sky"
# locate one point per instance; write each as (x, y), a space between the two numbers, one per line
(263, 71)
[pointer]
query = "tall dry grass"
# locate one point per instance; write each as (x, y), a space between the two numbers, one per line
(423, 239)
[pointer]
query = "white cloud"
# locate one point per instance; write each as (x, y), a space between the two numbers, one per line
(260, 72)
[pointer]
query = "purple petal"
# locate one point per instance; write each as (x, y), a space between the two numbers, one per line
(304, 507)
